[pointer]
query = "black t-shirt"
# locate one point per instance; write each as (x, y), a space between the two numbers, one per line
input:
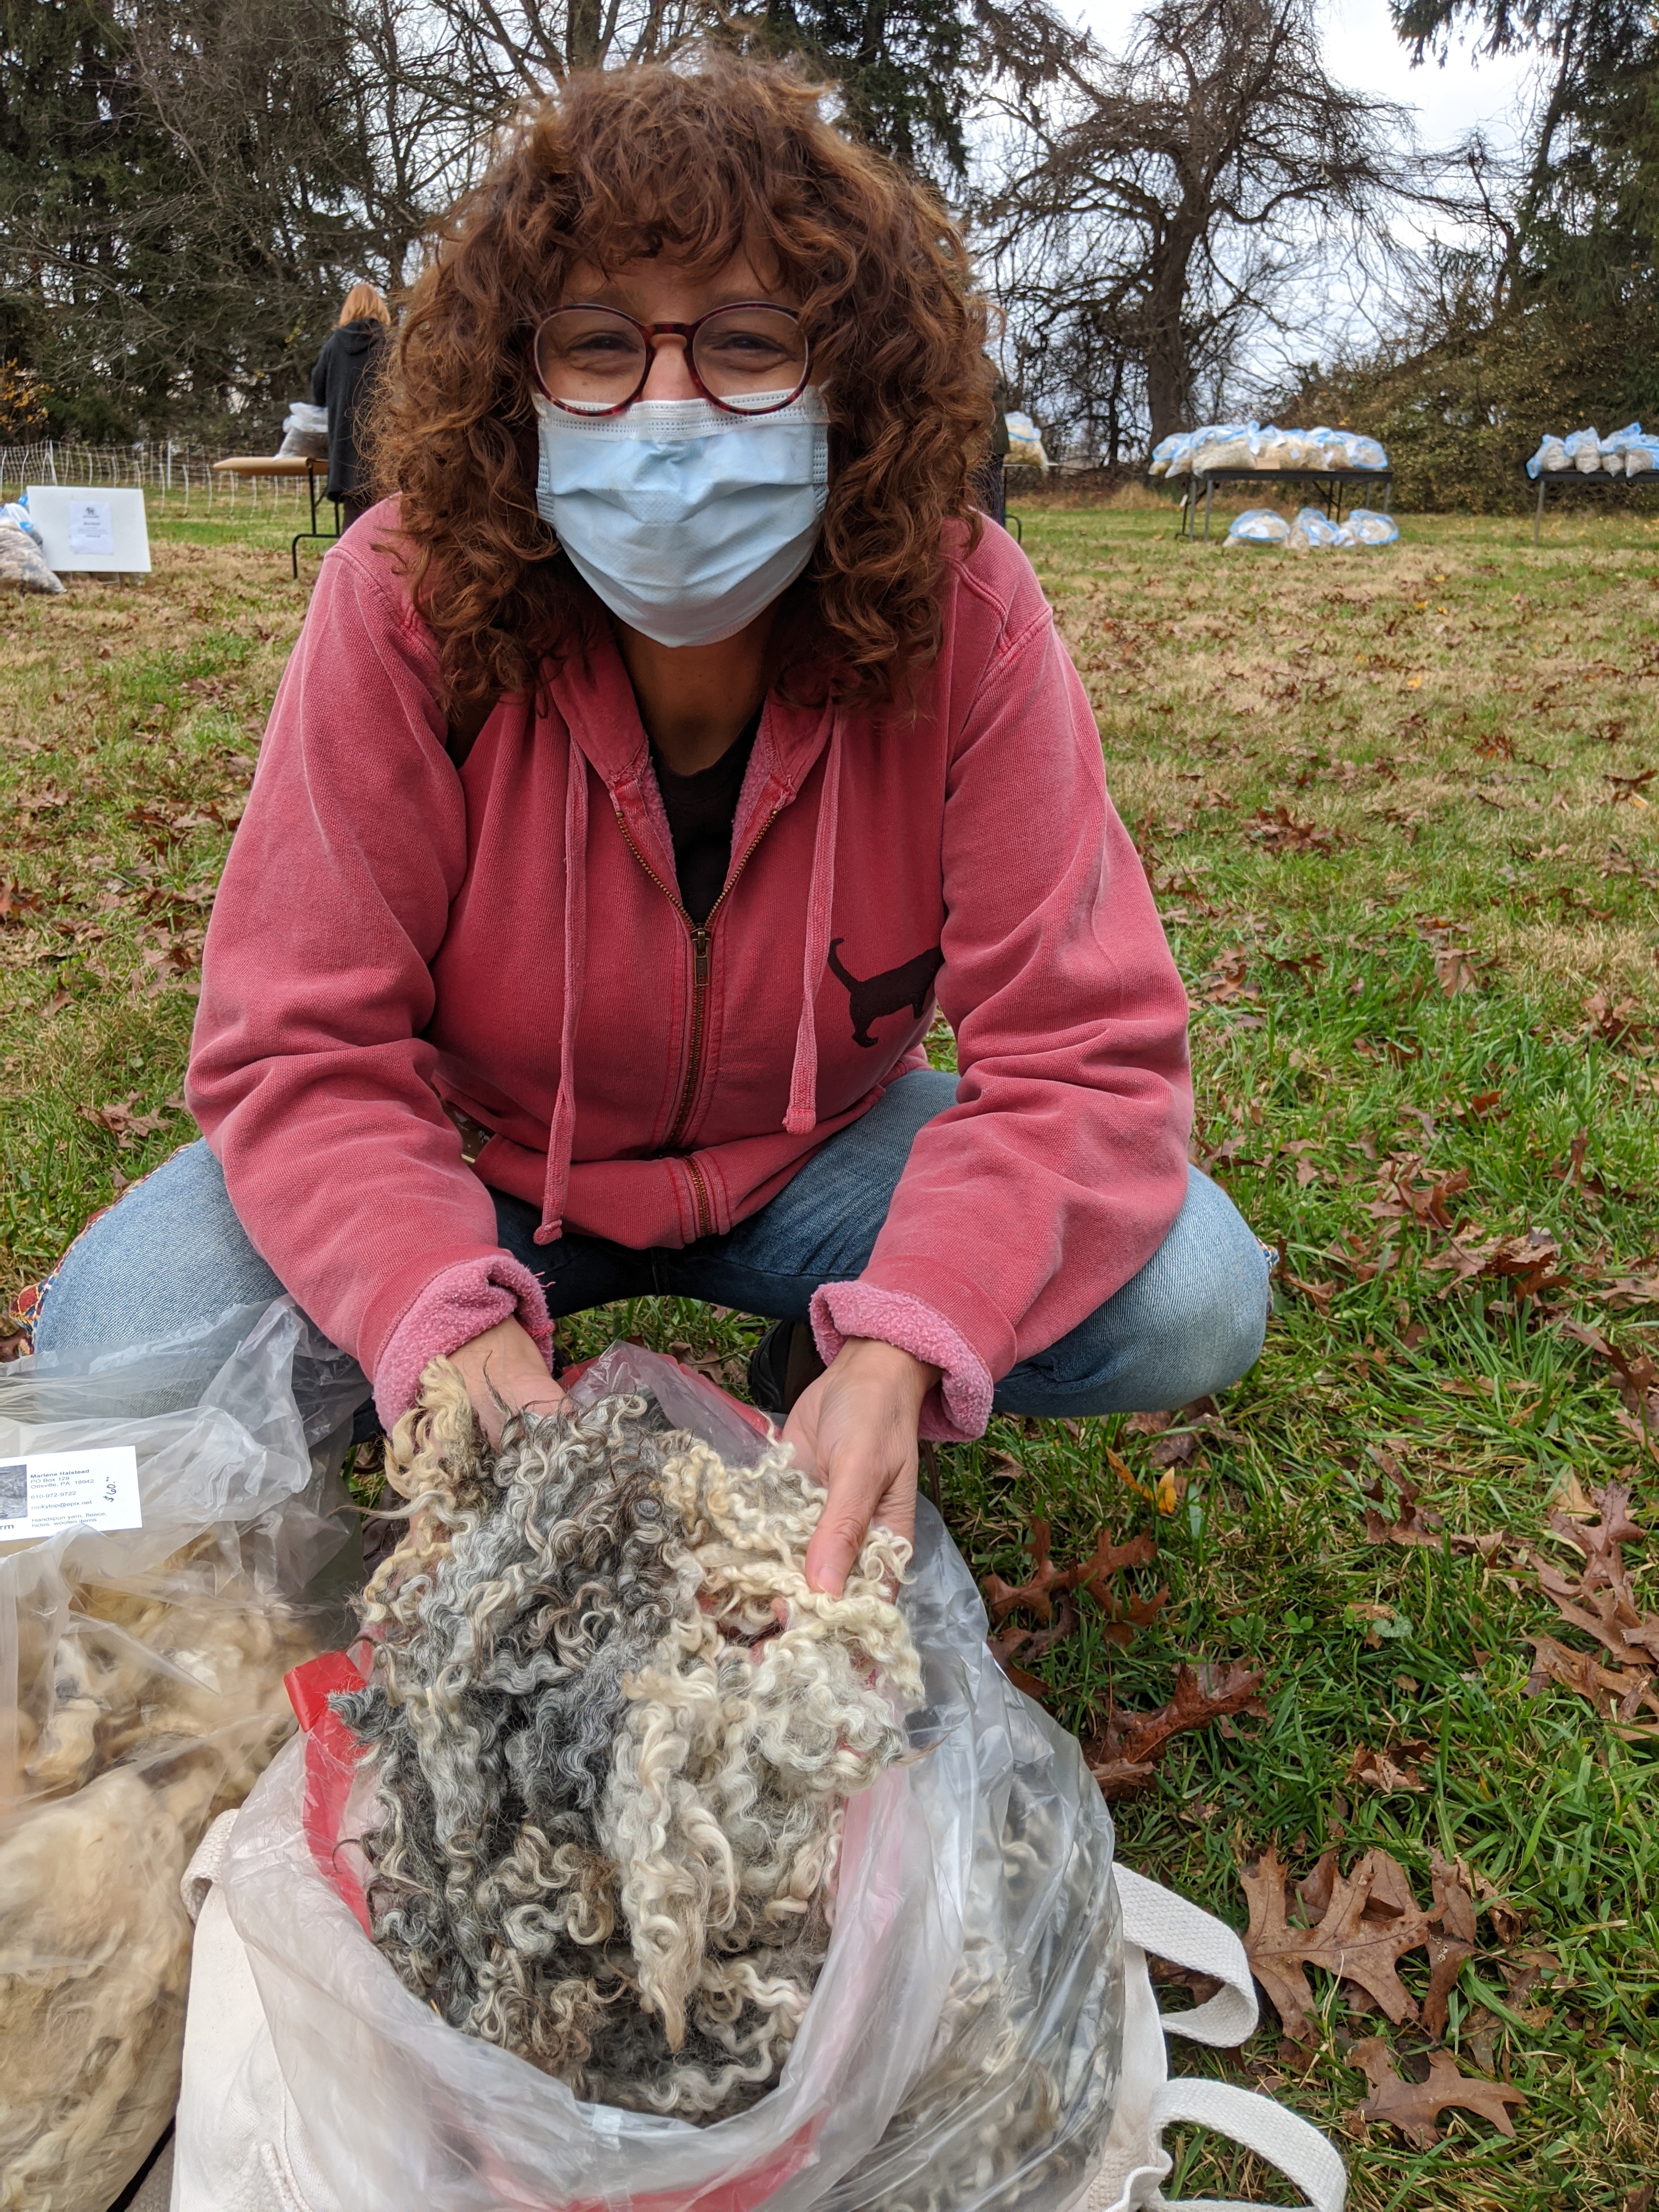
(701, 810)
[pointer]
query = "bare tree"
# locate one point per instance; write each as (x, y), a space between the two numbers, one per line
(1153, 208)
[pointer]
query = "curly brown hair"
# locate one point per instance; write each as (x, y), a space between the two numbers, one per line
(637, 161)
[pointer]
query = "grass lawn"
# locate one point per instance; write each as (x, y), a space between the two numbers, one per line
(1394, 810)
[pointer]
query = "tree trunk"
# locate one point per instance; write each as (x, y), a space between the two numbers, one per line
(582, 44)
(1168, 371)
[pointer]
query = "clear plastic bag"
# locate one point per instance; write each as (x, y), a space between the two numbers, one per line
(1313, 532)
(1584, 450)
(141, 1693)
(1550, 459)
(1366, 525)
(1366, 453)
(1025, 440)
(1223, 445)
(1259, 525)
(962, 2047)
(23, 563)
(304, 432)
(17, 511)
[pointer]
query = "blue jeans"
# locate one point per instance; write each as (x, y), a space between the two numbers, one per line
(172, 1255)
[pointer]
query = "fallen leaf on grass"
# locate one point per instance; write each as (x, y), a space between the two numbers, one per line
(1357, 1928)
(1638, 1372)
(1123, 1752)
(1166, 1492)
(1227, 980)
(1347, 1942)
(1046, 1581)
(123, 1123)
(1530, 1262)
(1416, 1524)
(1618, 1025)
(1505, 1921)
(1402, 1196)
(1413, 2107)
(1279, 831)
(45, 800)
(1618, 1693)
(1600, 1601)
(1523, 1975)
(1484, 1106)
(1388, 1771)
(16, 902)
(1318, 1292)
(1453, 970)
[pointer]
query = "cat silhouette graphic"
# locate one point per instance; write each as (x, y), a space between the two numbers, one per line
(890, 993)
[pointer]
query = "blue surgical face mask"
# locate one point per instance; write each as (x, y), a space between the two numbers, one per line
(686, 520)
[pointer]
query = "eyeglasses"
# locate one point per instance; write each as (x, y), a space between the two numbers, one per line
(750, 359)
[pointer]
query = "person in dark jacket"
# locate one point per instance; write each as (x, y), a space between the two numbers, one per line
(991, 492)
(342, 382)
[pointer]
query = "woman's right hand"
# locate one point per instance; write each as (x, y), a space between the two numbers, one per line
(506, 1373)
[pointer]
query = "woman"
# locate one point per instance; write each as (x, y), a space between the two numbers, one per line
(343, 382)
(646, 771)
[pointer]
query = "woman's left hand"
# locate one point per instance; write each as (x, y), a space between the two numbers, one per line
(855, 1427)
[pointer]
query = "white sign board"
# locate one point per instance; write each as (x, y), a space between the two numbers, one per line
(44, 1492)
(91, 527)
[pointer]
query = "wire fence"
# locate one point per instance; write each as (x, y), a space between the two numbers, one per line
(167, 468)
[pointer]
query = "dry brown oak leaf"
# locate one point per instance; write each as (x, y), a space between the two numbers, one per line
(1346, 1942)
(1413, 2107)
(1601, 1603)
(1046, 1581)
(1123, 1753)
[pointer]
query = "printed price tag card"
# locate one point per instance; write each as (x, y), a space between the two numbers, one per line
(48, 1491)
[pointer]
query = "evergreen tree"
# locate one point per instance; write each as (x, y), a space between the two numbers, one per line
(176, 204)
(906, 70)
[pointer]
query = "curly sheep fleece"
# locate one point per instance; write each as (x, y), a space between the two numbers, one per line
(613, 1733)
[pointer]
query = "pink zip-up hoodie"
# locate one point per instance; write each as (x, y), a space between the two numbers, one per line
(391, 934)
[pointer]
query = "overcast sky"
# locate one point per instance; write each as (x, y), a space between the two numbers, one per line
(1363, 51)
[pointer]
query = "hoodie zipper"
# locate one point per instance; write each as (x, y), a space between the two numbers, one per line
(701, 936)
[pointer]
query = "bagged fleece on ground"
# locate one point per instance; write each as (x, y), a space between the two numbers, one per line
(1313, 532)
(1367, 526)
(1259, 525)
(140, 1670)
(22, 562)
(981, 2035)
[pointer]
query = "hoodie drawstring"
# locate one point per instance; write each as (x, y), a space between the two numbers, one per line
(561, 1133)
(803, 1116)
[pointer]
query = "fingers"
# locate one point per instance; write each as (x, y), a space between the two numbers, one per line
(855, 1427)
(505, 1373)
(512, 1397)
(837, 1540)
